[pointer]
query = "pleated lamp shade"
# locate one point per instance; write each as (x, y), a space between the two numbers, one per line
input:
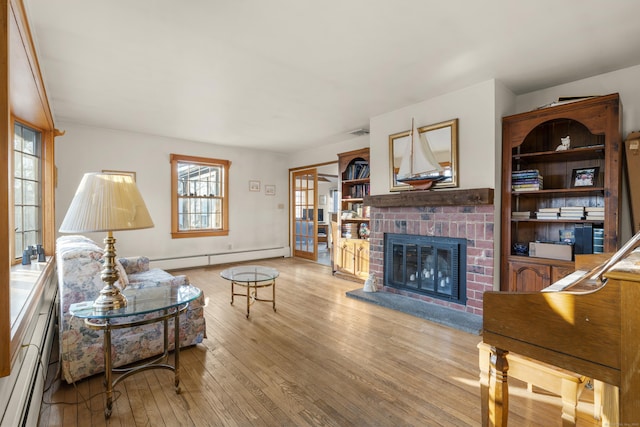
(106, 202)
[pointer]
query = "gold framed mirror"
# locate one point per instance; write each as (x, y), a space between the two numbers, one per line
(442, 140)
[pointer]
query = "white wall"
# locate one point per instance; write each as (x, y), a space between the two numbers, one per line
(256, 221)
(474, 109)
(326, 153)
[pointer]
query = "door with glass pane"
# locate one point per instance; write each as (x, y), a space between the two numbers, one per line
(305, 216)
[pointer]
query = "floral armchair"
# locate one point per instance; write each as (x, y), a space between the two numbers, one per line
(79, 261)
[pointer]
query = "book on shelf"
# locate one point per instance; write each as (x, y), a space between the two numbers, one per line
(570, 217)
(546, 215)
(526, 187)
(595, 217)
(521, 215)
(556, 210)
(526, 173)
(572, 209)
(567, 236)
(598, 240)
(587, 235)
(584, 238)
(578, 245)
(572, 212)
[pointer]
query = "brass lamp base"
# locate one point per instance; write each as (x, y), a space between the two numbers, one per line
(110, 299)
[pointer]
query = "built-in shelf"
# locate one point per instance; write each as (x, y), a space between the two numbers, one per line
(457, 197)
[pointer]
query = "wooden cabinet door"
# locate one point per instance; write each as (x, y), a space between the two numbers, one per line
(526, 277)
(346, 260)
(558, 272)
(361, 258)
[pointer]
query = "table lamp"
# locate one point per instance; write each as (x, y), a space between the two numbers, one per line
(107, 202)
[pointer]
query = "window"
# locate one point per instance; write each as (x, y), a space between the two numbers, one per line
(199, 202)
(27, 188)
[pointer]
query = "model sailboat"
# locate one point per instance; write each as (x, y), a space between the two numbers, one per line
(419, 167)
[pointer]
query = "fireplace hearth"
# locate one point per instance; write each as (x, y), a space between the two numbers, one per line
(467, 214)
(429, 265)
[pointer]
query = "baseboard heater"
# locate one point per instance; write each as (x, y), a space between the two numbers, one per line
(200, 260)
(29, 372)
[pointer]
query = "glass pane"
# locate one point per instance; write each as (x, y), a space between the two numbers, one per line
(398, 263)
(30, 239)
(427, 276)
(17, 185)
(30, 167)
(412, 266)
(29, 141)
(17, 165)
(444, 271)
(18, 219)
(19, 245)
(17, 139)
(30, 218)
(30, 193)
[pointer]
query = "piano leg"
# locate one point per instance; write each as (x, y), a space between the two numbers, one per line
(494, 390)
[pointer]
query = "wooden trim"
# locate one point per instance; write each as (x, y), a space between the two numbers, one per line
(22, 94)
(458, 197)
(226, 164)
(5, 150)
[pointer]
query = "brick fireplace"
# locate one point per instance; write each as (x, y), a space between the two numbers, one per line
(467, 214)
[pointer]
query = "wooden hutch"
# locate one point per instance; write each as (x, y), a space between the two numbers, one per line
(530, 143)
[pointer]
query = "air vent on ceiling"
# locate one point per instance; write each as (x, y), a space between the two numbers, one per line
(359, 132)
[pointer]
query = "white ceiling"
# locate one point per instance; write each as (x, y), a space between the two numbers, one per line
(286, 75)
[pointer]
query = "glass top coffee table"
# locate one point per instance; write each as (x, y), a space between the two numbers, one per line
(252, 277)
(157, 304)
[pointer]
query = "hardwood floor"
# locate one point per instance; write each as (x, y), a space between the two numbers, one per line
(321, 360)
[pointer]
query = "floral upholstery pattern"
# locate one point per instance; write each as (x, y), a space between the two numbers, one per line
(79, 261)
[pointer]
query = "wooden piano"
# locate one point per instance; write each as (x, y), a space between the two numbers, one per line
(591, 327)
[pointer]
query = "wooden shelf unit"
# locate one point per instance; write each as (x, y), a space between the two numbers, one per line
(351, 255)
(529, 142)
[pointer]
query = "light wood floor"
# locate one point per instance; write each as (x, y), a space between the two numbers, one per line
(321, 360)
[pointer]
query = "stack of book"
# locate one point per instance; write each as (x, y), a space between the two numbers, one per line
(595, 213)
(526, 180)
(571, 213)
(548, 213)
(521, 215)
(350, 230)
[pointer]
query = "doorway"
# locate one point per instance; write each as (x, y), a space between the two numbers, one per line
(314, 191)
(305, 214)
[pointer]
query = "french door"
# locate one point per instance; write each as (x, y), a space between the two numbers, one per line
(305, 214)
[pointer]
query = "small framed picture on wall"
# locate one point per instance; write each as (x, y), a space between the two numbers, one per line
(254, 185)
(270, 190)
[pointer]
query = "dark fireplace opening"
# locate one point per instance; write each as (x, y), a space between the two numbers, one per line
(428, 265)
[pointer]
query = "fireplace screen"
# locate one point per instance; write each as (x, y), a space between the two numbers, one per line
(428, 265)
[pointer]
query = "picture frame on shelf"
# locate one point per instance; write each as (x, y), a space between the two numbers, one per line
(585, 177)
(270, 190)
(254, 185)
